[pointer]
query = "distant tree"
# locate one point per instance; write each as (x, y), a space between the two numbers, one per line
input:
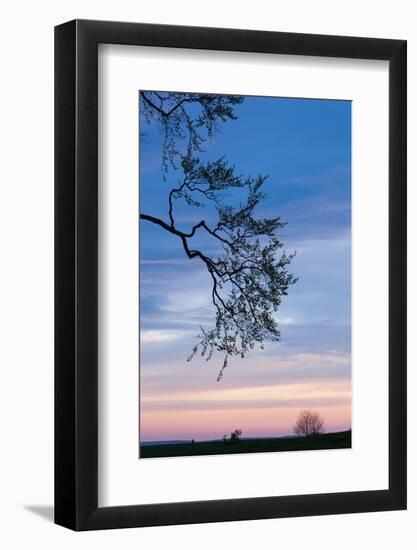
(247, 273)
(309, 423)
(235, 436)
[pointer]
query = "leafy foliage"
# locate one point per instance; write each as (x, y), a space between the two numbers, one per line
(186, 117)
(248, 272)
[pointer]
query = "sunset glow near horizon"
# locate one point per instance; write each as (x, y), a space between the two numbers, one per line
(305, 148)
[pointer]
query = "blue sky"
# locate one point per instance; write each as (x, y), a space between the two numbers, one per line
(304, 146)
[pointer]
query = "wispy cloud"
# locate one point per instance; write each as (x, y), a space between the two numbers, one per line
(164, 261)
(158, 336)
(336, 391)
(249, 374)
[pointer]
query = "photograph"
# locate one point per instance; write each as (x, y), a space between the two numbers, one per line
(245, 274)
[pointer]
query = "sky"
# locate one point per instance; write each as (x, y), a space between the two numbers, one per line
(304, 146)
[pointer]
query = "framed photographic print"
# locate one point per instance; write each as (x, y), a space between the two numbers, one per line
(230, 275)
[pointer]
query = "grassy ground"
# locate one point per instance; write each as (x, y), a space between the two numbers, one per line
(339, 440)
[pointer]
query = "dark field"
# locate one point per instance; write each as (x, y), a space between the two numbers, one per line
(339, 440)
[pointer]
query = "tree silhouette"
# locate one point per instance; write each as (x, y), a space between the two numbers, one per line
(248, 274)
(309, 423)
(235, 436)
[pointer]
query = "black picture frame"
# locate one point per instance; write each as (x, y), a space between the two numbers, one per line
(76, 272)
